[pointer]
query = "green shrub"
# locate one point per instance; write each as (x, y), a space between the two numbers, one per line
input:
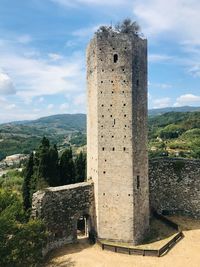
(21, 241)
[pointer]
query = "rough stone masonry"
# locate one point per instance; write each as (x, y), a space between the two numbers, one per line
(174, 189)
(117, 159)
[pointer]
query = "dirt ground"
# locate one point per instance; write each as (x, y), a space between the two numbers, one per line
(185, 253)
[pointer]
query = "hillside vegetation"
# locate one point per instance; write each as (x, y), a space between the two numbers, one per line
(170, 134)
(175, 134)
(24, 137)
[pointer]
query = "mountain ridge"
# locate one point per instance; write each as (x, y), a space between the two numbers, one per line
(70, 129)
(151, 112)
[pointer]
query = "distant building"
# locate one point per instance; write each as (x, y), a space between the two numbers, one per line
(14, 159)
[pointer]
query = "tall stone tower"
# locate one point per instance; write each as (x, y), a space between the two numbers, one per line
(117, 134)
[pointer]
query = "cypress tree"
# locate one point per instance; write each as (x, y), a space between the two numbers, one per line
(80, 166)
(53, 172)
(42, 157)
(67, 168)
(27, 182)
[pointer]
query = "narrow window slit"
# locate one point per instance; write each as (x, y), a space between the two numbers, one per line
(138, 181)
(115, 58)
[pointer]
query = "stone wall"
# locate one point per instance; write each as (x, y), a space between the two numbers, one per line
(60, 208)
(175, 186)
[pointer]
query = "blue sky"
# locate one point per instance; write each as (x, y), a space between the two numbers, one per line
(42, 52)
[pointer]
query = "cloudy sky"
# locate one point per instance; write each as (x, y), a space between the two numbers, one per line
(42, 52)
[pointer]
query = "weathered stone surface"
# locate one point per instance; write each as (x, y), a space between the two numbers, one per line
(175, 186)
(60, 208)
(117, 135)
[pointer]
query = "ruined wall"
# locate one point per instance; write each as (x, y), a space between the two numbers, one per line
(60, 208)
(117, 134)
(175, 186)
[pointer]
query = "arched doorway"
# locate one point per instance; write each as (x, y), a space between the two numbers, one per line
(84, 230)
(82, 227)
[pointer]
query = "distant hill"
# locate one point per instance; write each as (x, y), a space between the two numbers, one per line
(69, 122)
(66, 129)
(23, 137)
(175, 133)
(160, 111)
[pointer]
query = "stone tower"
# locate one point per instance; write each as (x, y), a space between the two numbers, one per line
(117, 134)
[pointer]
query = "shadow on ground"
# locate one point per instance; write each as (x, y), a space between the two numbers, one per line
(82, 244)
(158, 231)
(62, 263)
(185, 223)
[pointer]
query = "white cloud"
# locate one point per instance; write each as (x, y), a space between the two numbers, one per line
(38, 77)
(64, 107)
(54, 56)
(6, 85)
(80, 99)
(85, 32)
(10, 106)
(161, 102)
(50, 106)
(41, 99)
(194, 70)
(179, 18)
(187, 99)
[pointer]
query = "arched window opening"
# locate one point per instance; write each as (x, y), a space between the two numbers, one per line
(115, 58)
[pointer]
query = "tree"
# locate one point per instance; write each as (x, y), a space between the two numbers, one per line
(67, 168)
(42, 169)
(45, 171)
(128, 26)
(80, 166)
(21, 241)
(53, 172)
(27, 181)
(45, 143)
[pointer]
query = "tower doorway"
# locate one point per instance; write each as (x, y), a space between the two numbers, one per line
(82, 231)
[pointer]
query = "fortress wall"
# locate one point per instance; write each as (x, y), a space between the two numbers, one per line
(175, 186)
(60, 208)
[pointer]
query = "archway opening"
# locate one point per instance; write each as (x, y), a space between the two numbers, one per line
(82, 227)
